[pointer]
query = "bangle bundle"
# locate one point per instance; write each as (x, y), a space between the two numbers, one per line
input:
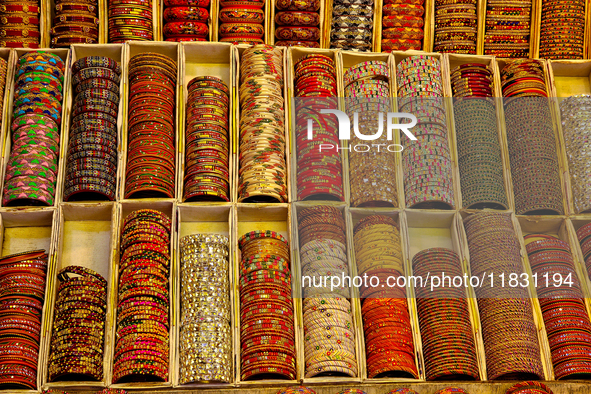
(267, 332)
(510, 336)
(507, 28)
(77, 339)
(142, 344)
(529, 387)
(531, 140)
(205, 331)
(22, 291)
(75, 22)
(402, 25)
(562, 29)
(186, 21)
(31, 172)
(455, 26)
(262, 175)
(372, 173)
(584, 237)
(91, 169)
(207, 156)
(329, 333)
(389, 341)
(403, 390)
(19, 24)
(319, 170)
(576, 128)
(130, 20)
(479, 150)
(151, 159)
(242, 22)
(449, 348)
(296, 390)
(563, 307)
(352, 25)
(297, 23)
(426, 162)
(3, 73)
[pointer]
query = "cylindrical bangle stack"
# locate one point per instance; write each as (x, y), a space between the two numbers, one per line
(22, 292)
(77, 339)
(530, 136)
(372, 172)
(143, 299)
(31, 172)
(3, 74)
(584, 237)
(319, 171)
(402, 25)
(130, 20)
(207, 152)
(267, 331)
(242, 21)
(329, 333)
(562, 29)
(184, 20)
(449, 347)
(426, 162)
(507, 28)
(479, 149)
(455, 26)
(75, 22)
(297, 23)
(508, 330)
(529, 386)
(352, 25)
(296, 390)
(389, 341)
(262, 175)
(19, 24)
(576, 128)
(563, 306)
(151, 159)
(91, 169)
(205, 342)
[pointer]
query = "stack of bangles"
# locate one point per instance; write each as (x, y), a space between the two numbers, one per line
(151, 160)
(205, 341)
(507, 28)
(296, 390)
(576, 127)
(389, 343)
(509, 332)
(352, 391)
(19, 24)
(186, 20)
(207, 144)
(262, 175)
(130, 20)
(31, 172)
(75, 22)
(562, 29)
(402, 25)
(297, 23)
(372, 173)
(529, 387)
(91, 169)
(267, 331)
(319, 171)
(452, 390)
(455, 26)
(479, 150)
(530, 136)
(78, 326)
(142, 344)
(584, 237)
(352, 25)
(242, 21)
(22, 291)
(3, 74)
(449, 348)
(426, 162)
(563, 307)
(329, 333)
